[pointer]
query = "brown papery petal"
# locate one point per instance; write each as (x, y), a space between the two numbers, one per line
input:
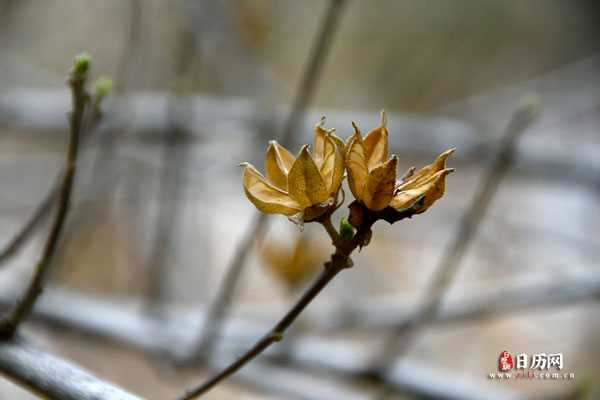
(376, 144)
(287, 159)
(266, 197)
(337, 172)
(426, 172)
(356, 165)
(433, 189)
(381, 182)
(319, 140)
(338, 141)
(276, 165)
(408, 174)
(327, 163)
(305, 183)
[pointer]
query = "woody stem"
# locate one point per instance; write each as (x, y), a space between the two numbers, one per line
(24, 305)
(332, 268)
(333, 233)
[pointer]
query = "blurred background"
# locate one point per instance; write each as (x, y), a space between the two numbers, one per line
(159, 220)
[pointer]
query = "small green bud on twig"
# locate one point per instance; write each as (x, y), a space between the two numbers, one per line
(82, 63)
(277, 336)
(102, 87)
(346, 230)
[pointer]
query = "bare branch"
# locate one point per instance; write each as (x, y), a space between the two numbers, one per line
(51, 377)
(77, 81)
(217, 313)
(90, 125)
(274, 335)
(36, 219)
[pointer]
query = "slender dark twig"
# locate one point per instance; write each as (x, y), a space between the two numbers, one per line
(403, 334)
(77, 81)
(339, 261)
(333, 234)
(344, 246)
(220, 306)
(275, 335)
(43, 209)
(36, 219)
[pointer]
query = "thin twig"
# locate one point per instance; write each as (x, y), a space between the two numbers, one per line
(275, 335)
(344, 246)
(23, 306)
(403, 335)
(35, 220)
(220, 307)
(43, 209)
(339, 261)
(333, 234)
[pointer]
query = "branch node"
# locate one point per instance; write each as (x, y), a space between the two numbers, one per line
(276, 336)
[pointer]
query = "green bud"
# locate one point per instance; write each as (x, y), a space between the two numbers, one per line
(102, 86)
(346, 230)
(277, 336)
(82, 63)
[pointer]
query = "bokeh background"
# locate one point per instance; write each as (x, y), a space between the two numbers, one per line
(200, 86)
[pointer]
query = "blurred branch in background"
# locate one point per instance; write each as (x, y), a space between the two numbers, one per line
(86, 313)
(218, 39)
(404, 335)
(468, 125)
(51, 377)
(175, 163)
(126, 322)
(382, 315)
(305, 92)
(127, 62)
(172, 188)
